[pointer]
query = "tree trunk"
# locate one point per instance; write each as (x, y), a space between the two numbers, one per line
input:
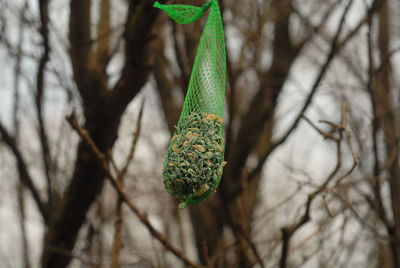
(103, 109)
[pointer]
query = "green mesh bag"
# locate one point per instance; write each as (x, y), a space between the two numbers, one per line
(195, 158)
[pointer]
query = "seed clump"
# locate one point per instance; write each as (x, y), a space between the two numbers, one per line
(195, 160)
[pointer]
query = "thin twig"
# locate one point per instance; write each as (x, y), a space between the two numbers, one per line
(136, 135)
(117, 243)
(327, 206)
(326, 135)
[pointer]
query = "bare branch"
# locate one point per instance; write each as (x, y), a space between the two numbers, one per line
(83, 133)
(80, 49)
(316, 29)
(288, 231)
(16, 126)
(103, 32)
(336, 46)
(171, 106)
(139, 31)
(24, 173)
(40, 88)
(326, 135)
(135, 139)
(183, 65)
(117, 243)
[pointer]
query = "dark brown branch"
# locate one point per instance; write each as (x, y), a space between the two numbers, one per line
(114, 50)
(326, 135)
(135, 139)
(40, 88)
(80, 48)
(386, 60)
(22, 224)
(253, 122)
(117, 240)
(139, 32)
(253, 247)
(84, 134)
(183, 65)
(232, 91)
(336, 46)
(18, 71)
(355, 70)
(375, 125)
(24, 173)
(16, 125)
(289, 231)
(103, 32)
(377, 204)
(389, 124)
(117, 243)
(171, 106)
(316, 30)
(70, 254)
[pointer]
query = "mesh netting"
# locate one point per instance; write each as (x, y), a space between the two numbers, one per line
(195, 157)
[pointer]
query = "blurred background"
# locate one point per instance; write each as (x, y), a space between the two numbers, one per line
(312, 132)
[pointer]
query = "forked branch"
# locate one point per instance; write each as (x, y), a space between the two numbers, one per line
(341, 129)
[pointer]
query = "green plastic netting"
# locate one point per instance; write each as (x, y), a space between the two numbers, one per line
(195, 158)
